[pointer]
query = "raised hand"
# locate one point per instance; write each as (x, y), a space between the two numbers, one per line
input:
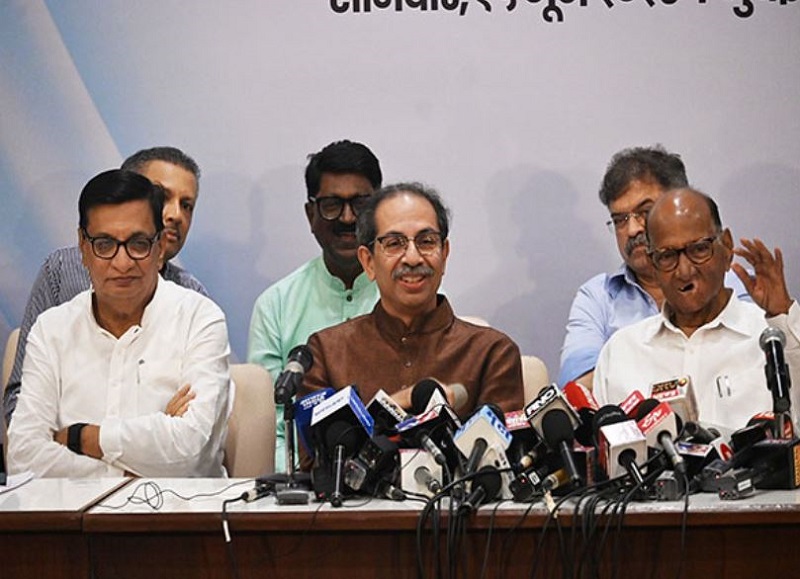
(767, 285)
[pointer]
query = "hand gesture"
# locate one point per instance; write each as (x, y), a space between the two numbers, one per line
(767, 285)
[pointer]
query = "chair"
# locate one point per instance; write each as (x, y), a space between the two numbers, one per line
(250, 445)
(534, 376)
(8, 357)
(475, 320)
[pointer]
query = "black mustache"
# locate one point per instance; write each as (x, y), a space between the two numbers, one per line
(339, 228)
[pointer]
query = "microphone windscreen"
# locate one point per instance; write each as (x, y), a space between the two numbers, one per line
(302, 355)
(651, 404)
(422, 392)
(557, 428)
(344, 433)
(646, 408)
(608, 414)
(489, 478)
(771, 334)
(460, 396)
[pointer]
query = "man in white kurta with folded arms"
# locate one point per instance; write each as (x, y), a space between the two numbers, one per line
(130, 376)
(704, 331)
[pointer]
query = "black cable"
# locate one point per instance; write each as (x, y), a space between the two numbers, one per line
(684, 520)
(489, 538)
(154, 495)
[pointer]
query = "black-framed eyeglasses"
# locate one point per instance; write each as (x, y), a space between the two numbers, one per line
(396, 244)
(619, 221)
(698, 252)
(137, 247)
(330, 208)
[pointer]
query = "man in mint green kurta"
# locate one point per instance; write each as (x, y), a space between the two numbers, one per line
(329, 289)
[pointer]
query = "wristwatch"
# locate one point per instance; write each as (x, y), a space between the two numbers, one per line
(74, 437)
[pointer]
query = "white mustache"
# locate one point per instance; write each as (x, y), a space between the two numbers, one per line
(422, 270)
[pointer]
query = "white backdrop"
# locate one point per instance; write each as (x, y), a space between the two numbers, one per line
(512, 118)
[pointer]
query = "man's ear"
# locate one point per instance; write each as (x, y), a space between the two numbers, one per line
(445, 253)
(162, 252)
(727, 241)
(366, 259)
(84, 246)
(309, 207)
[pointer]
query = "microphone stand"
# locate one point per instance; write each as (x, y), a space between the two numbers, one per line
(292, 487)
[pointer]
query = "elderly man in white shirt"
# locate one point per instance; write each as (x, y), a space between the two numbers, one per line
(131, 376)
(704, 331)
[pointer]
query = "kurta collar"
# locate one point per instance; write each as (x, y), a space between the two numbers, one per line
(393, 329)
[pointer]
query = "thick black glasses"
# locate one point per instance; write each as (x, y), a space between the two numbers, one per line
(697, 252)
(137, 247)
(331, 208)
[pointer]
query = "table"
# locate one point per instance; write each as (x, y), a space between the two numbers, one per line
(744, 538)
(62, 528)
(41, 526)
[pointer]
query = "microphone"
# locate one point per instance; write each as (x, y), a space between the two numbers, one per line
(298, 363)
(377, 459)
(695, 432)
(303, 411)
(485, 427)
(678, 393)
(772, 342)
(485, 487)
(581, 398)
(429, 393)
(432, 431)
(343, 438)
(630, 406)
(772, 427)
(413, 460)
(260, 491)
(386, 413)
(387, 490)
(343, 415)
(661, 425)
(423, 476)
(558, 434)
(620, 442)
(550, 398)
(524, 450)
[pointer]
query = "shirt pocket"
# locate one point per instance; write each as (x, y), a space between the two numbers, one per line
(157, 382)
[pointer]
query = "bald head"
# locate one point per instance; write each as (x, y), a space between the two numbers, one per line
(678, 207)
(691, 253)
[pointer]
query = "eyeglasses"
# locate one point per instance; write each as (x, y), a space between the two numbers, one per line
(396, 244)
(619, 221)
(331, 208)
(698, 253)
(137, 247)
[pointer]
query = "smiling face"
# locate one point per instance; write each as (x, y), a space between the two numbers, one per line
(180, 198)
(408, 282)
(695, 293)
(337, 237)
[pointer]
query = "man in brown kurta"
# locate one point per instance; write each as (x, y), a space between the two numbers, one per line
(412, 332)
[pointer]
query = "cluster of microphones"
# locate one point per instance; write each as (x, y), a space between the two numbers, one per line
(561, 442)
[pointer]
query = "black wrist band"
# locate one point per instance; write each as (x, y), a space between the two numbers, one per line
(74, 437)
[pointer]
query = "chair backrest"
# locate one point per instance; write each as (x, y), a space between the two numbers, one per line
(250, 445)
(8, 357)
(534, 376)
(475, 320)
